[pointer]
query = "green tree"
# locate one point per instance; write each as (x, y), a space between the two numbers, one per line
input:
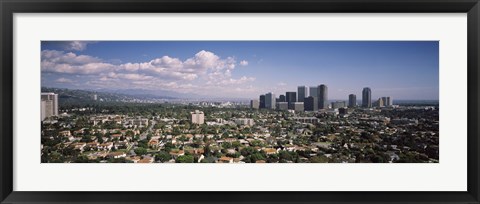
(163, 156)
(140, 151)
(82, 159)
(226, 145)
(236, 144)
(257, 156)
(185, 159)
(319, 159)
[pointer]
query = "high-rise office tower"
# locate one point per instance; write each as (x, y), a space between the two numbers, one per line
(352, 100)
(302, 93)
(384, 99)
(291, 97)
(282, 98)
(270, 100)
(313, 91)
(389, 101)
(254, 104)
(262, 101)
(380, 102)
(43, 111)
(322, 96)
(197, 117)
(367, 97)
(311, 103)
(48, 105)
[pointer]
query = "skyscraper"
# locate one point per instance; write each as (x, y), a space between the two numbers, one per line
(43, 111)
(311, 103)
(313, 91)
(262, 101)
(270, 100)
(384, 99)
(48, 105)
(302, 93)
(291, 97)
(389, 101)
(322, 96)
(367, 97)
(282, 98)
(197, 117)
(380, 102)
(352, 100)
(254, 104)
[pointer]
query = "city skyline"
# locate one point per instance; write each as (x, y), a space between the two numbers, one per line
(246, 69)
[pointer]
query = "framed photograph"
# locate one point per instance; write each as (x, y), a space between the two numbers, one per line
(239, 101)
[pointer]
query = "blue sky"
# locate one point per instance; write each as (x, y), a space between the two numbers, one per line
(246, 69)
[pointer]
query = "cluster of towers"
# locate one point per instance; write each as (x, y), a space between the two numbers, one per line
(313, 99)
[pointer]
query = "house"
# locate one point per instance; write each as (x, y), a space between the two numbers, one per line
(92, 145)
(230, 140)
(79, 132)
(176, 153)
(105, 146)
(270, 151)
(225, 160)
(146, 160)
(70, 138)
(79, 146)
(117, 155)
(153, 143)
(134, 159)
(121, 145)
(95, 155)
(116, 136)
(231, 151)
(65, 133)
(112, 131)
(243, 141)
(289, 147)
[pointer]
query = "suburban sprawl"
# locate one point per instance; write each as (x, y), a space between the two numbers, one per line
(292, 128)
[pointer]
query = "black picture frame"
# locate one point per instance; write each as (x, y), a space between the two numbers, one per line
(10, 7)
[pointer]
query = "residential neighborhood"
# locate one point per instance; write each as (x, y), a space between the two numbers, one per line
(172, 133)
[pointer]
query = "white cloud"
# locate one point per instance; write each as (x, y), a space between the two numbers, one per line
(61, 57)
(281, 84)
(231, 81)
(204, 69)
(63, 80)
(244, 63)
(247, 89)
(190, 69)
(61, 62)
(129, 76)
(76, 45)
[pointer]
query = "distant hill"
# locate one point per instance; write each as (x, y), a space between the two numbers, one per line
(74, 96)
(163, 94)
